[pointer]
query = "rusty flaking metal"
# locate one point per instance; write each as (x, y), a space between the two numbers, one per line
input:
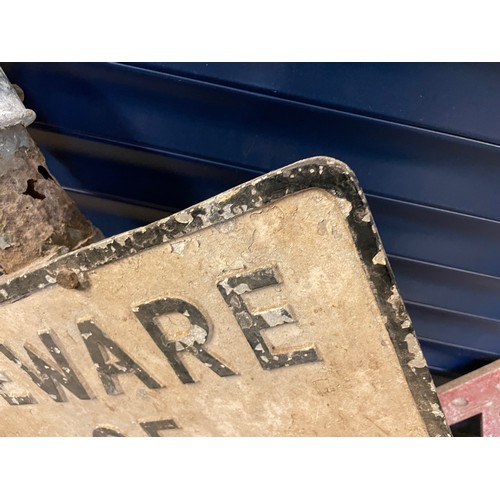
(38, 219)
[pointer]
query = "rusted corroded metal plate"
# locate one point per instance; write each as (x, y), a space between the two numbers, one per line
(477, 393)
(267, 310)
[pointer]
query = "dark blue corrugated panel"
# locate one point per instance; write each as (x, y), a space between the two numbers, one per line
(133, 142)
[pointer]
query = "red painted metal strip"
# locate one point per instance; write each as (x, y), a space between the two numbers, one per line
(477, 393)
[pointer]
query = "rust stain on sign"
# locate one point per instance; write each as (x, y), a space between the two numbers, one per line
(269, 310)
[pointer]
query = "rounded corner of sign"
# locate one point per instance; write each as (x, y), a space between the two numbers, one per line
(321, 165)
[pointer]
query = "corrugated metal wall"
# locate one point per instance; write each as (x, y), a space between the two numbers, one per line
(133, 142)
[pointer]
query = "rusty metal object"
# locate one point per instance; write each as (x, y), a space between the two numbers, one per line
(38, 220)
(477, 393)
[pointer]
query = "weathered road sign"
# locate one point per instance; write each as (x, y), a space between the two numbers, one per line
(266, 311)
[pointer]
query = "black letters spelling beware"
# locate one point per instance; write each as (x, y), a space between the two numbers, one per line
(55, 379)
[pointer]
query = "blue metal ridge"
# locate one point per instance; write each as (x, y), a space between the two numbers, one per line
(452, 289)
(116, 217)
(483, 335)
(453, 360)
(453, 97)
(437, 236)
(39, 130)
(119, 199)
(448, 357)
(396, 257)
(457, 362)
(458, 346)
(445, 310)
(430, 208)
(298, 102)
(179, 78)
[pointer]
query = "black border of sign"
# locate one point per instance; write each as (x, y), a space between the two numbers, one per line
(318, 172)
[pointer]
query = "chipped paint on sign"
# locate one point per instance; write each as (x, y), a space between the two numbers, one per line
(221, 320)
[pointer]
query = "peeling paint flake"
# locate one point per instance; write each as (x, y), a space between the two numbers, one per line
(406, 323)
(196, 335)
(225, 285)
(227, 212)
(379, 259)
(436, 410)
(345, 206)
(183, 217)
(276, 317)
(178, 247)
(241, 288)
(418, 360)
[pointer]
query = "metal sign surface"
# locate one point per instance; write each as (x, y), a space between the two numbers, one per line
(268, 310)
